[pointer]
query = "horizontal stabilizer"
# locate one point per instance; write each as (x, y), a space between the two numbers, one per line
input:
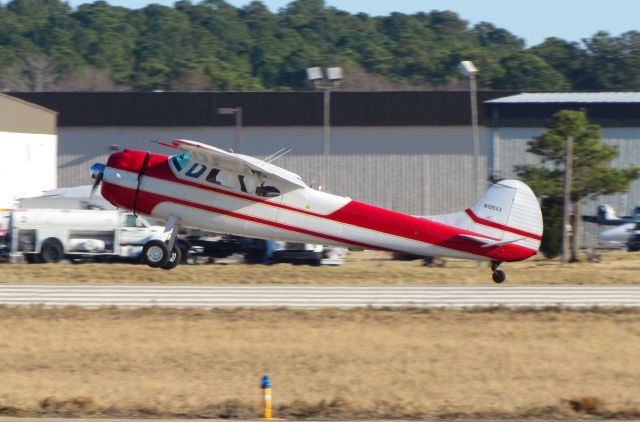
(488, 243)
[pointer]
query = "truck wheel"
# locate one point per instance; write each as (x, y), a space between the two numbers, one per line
(174, 258)
(51, 251)
(155, 253)
(32, 258)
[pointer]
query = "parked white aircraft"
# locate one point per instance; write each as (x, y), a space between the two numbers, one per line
(207, 188)
(607, 216)
(627, 228)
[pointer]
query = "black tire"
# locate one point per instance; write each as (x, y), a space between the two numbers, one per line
(174, 258)
(51, 251)
(499, 276)
(184, 251)
(155, 253)
(32, 258)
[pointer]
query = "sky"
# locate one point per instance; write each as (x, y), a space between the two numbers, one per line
(571, 20)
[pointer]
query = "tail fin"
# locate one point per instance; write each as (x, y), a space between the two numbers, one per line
(509, 212)
(606, 213)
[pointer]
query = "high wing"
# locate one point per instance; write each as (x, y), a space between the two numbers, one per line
(236, 162)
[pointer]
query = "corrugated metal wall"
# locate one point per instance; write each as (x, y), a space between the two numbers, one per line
(380, 108)
(415, 184)
(510, 149)
(418, 170)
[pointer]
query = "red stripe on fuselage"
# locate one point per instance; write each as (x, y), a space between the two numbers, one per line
(147, 201)
(354, 213)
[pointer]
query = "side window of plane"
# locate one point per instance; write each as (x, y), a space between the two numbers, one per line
(267, 191)
(180, 161)
(243, 186)
(212, 177)
(247, 183)
(220, 177)
(196, 170)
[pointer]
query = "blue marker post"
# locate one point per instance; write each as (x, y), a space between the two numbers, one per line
(266, 393)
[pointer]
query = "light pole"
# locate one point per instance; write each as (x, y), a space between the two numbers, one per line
(333, 78)
(238, 113)
(468, 69)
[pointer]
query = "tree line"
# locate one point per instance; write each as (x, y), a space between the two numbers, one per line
(211, 45)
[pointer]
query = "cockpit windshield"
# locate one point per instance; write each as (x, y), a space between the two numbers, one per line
(180, 160)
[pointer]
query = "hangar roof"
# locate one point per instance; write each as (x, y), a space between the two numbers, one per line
(569, 97)
(399, 108)
(535, 109)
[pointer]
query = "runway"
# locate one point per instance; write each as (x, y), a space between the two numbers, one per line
(312, 297)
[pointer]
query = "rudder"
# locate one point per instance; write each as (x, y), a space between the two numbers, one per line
(508, 211)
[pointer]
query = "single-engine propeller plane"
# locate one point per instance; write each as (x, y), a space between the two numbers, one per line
(626, 230)
(211, 189)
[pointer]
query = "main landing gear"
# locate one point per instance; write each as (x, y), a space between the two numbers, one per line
(164, 252)
(498, 275)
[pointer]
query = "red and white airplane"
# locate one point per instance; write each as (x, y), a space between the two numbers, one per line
(208, 188)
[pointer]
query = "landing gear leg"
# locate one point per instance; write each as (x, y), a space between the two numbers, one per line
(164, 252)
(498, 275)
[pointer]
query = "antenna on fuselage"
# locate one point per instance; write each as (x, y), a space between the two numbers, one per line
(266, 160)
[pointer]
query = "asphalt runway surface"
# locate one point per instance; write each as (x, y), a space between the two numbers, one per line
(313, 297)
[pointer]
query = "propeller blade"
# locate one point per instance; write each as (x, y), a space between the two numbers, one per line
(97, 172)
(95, 185)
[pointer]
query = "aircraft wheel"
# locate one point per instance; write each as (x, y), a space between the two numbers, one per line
(499, 276)
(155, 253)
(174, 258)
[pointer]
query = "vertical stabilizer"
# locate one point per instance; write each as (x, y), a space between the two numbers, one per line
(508, 212)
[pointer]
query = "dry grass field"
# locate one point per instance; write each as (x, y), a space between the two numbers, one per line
(360, 268)
(323, 364)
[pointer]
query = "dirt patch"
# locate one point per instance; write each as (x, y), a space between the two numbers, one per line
(323, 364)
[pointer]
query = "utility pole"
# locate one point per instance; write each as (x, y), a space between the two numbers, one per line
(473, 89)
(469, 70)
(326, 121)
(566, 220)
(238, 132)
(325, 81)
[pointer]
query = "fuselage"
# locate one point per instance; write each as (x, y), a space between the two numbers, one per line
(621, 233)
(238, 203)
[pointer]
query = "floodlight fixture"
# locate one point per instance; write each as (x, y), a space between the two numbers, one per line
(314, 74)
(467, 68)
(334, 74)
(325, 81)
(227, 110)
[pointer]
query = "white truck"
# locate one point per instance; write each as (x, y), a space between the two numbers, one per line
(50, 235)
